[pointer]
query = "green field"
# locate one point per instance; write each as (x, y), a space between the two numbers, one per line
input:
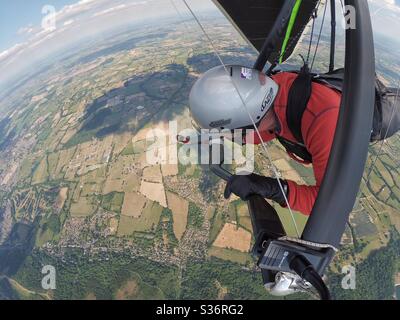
(230, 255)
(85, 133)
(113, 202)
(102, 279)
(135, 288)
(86, 206)
(147, 222)
(243, 216)
(217, 223)
(41, 173)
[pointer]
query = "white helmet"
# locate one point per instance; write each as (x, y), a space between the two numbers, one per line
(215, 102)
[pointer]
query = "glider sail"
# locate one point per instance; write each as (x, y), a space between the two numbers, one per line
(289, 30)
(255, 20)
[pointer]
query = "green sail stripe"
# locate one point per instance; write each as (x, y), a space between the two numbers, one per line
(289, 30)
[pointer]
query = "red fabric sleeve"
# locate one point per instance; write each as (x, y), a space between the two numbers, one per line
(319, 141)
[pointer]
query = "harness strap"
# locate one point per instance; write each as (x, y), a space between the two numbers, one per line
(297, 151)
(299, 96)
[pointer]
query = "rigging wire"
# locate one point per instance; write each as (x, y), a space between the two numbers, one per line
(263, 144)
(319, 36)
(311, 37)
(314, 17)
(343, 7)
(179, 13)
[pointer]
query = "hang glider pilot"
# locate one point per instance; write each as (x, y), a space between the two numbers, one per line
(214, 97)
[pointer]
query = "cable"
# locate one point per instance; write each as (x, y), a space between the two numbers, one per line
(250, 116)
(317, 282)
(311, 38)
(306, 271)
(343, 7)
(314, 17)
(319, 36)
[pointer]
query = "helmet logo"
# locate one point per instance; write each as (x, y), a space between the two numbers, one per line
(220, 123)
(246, 73)
(269, 98)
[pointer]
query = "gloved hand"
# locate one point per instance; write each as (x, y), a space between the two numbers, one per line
(253, 184)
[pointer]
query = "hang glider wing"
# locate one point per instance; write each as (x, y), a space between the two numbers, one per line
(254, 19)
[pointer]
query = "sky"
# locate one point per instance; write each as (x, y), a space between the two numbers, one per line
(17, 16)
(27, 34)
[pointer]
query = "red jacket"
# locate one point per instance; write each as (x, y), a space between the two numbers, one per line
(318, 130)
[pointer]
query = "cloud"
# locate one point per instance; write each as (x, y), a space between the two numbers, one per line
(381, 5)
(110, 10)
(11, 51)
(68, 22)
(385, 16)
(37, 35)
(25, 30)
(76, 23)
(78, 13)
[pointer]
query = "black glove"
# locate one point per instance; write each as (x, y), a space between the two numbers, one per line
(253, 184)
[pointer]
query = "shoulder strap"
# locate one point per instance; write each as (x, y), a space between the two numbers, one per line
(296, 150)
(299, 95)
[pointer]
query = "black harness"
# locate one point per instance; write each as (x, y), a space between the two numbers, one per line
(297, 149)
(386, 115)
(299, 96)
